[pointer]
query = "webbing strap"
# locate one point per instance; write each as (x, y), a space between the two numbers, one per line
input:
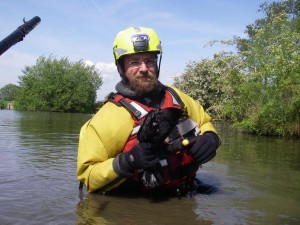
(175, 95)
(131, 108)
(138, 114)
(80, 185)
(122, 101)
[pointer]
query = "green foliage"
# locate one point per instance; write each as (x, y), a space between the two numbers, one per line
(2, 104)
(98, 105)
(210, 83)
(58, 86)
(272, 55)
(9, 92)
(259, 87)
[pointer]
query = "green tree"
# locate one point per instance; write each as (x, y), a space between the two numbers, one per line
(9, 92)
(272, 54)
(210, 82)
(259, 86)
(58, 86)
(2, 104)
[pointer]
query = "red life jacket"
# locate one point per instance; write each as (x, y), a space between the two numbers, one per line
(177, 167)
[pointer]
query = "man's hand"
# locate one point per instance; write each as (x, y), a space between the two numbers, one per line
(141, 156)
(204, 147)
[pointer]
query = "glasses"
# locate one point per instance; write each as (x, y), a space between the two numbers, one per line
(138, 63)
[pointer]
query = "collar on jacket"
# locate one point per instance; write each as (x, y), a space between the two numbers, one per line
(152, 99)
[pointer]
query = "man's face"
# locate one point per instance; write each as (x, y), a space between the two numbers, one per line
(141, 72)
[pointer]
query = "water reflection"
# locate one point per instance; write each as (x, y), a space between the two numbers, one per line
(37, 173)
(102, 209)
(259, 151)
(258, 179)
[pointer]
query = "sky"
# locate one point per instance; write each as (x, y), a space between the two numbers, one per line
(85, 30)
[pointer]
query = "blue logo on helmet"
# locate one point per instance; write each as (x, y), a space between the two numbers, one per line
(140, 42)
(140, 37)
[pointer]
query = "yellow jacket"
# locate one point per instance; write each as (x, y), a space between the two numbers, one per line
(104, 136)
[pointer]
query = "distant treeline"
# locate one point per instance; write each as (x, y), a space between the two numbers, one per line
(55, 85)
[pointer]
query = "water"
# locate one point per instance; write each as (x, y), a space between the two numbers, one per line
(258, 180)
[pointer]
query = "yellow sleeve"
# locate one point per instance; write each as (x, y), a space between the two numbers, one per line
(196, 113)
(101, 139)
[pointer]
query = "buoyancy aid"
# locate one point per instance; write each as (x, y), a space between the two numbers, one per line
(176, 165)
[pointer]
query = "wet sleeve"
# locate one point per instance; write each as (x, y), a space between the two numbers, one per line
(101, 140)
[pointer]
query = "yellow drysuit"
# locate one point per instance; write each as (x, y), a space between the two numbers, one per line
(104, 136)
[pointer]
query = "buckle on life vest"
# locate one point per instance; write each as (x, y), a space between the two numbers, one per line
(184, 130)
(132, 107)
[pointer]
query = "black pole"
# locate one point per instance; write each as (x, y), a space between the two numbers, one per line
(19, 34)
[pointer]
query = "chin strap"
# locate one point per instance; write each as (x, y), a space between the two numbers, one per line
(159, 64)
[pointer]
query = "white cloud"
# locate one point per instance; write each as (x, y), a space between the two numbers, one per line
(110, 77)
(108, 71)
(11, 65)
(14, 58)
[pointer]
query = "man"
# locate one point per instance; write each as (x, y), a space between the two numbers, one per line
(147, 137)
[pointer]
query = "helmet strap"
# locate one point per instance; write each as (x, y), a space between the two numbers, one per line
(159, 64)
(121, 70)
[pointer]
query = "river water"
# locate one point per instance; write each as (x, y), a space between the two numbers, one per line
(258, 180)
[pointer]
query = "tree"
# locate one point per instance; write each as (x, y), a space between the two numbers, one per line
(9, 92)
(2, 104)
(207, 81)
(272, 54)
(58, 86)
(261, 91)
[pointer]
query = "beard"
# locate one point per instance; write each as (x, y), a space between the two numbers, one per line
(143, 84)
